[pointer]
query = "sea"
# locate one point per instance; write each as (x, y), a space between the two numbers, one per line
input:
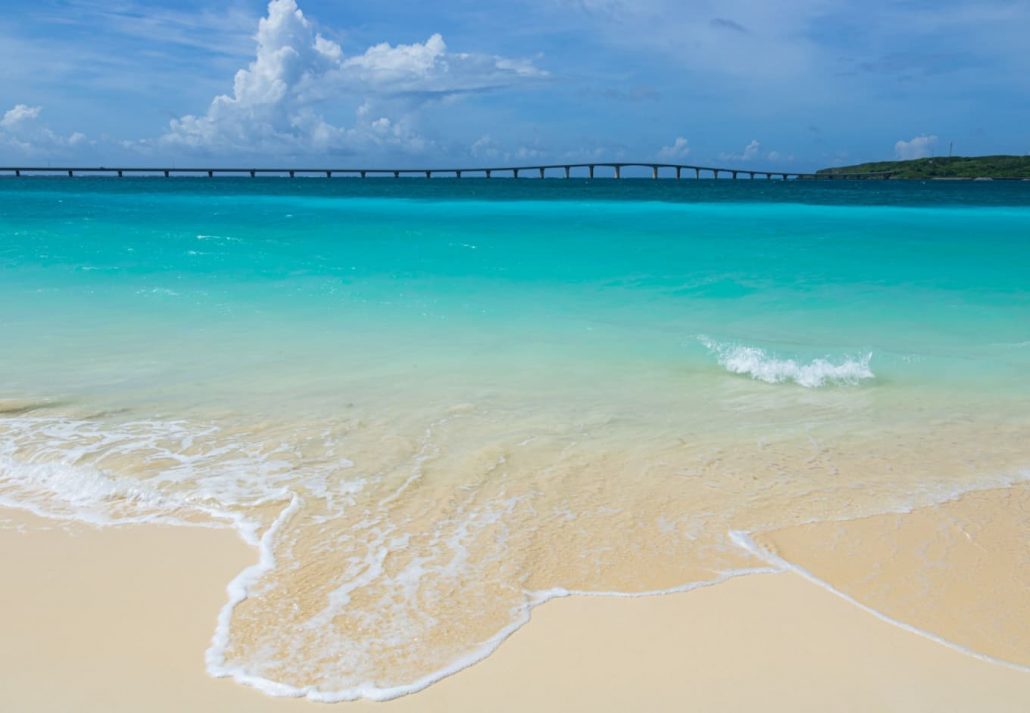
(431, 405)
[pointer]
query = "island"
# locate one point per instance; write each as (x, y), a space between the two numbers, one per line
(943, 167)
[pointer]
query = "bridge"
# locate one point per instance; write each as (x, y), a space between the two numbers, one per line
(560, 170)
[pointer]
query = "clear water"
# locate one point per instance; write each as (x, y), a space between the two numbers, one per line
(432, 404)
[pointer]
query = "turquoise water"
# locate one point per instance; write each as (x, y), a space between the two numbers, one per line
(508, 389)
(940, 280)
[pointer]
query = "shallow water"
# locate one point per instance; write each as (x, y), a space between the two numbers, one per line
(435, 403)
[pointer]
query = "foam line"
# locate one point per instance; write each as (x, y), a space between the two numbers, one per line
(745, 541)
(238, 589)
(238, 592)
(762, 366)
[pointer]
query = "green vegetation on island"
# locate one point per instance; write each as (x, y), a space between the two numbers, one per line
(945, 167)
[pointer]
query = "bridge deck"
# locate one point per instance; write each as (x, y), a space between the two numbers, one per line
(613, 169)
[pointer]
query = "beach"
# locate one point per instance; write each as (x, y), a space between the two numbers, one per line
(465, 357)
(116, 619)
(398, 443)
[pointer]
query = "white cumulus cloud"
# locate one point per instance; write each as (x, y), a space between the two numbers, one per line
(22, 133)
(487, 147)
(279, 100)
(754, 152)
(751, 151)
(917, 147)
(678, 149)
(430, 67)
(19, 116)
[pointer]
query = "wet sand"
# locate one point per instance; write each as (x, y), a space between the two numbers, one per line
(960, 570)
(118, 620)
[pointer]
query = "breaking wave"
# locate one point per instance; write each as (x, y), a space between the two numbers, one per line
(762, 366)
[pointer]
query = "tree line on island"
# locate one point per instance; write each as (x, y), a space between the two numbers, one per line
(957, 167)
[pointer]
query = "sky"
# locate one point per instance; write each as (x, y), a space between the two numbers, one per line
(786, 85)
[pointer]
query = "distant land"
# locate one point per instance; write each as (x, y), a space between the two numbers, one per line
(944, 167)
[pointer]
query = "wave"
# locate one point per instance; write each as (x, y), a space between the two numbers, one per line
(762, 366)
(323, 527)
(745, 541)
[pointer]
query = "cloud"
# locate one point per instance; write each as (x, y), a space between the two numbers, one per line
(22, 132)
(20, 116)
(430, 68)
(678, 149)
(488, 149)
(722, 23)
(761, 49)
(278, 100)
(750, 151)
(754, 151)
(223, 29)
(917, 147)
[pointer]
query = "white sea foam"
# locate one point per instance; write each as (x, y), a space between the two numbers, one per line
(227, 238)
(239, 587)
(204, 472)
(57, 467)
(762, 366)
(745, 541)
(163, 291)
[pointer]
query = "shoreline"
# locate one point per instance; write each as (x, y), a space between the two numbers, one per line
(32, 546)
(749, 544)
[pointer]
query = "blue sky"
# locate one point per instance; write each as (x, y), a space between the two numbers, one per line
(795, 84)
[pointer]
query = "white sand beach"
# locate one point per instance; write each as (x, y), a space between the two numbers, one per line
(118, 620)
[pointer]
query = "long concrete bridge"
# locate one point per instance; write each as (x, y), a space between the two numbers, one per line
(559, 170)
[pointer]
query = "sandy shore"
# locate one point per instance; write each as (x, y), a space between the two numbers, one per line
(118, 620)
(961, 569)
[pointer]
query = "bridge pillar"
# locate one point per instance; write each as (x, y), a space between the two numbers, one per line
(210, 174)
(541, 172)
(568, 171)
(364, 174)
(489, 173)
(591, 170)
(17, 172)
(292, 174)
(715, 173)
(119, 174)
(734, 174)
(515, 173)
(70, 174)
(654, 172)
(429, 174)
(618, 171)
(396, 174)
(697, 174)
(457, 174)
(679, 170)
